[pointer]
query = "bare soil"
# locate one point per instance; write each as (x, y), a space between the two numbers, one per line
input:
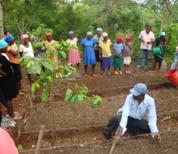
(78, 129)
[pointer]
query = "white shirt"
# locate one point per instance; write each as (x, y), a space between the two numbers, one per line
(138, 111)
(72, 41)
(27, 51)
(146, 37)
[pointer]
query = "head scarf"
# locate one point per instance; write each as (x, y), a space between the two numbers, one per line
(89, 33)
(48, 34)
(128, 38)
(99, 30)
(9, 38)
(24, 36)
(119, 39)
(3, 44)
(105, 34)
(71, 33)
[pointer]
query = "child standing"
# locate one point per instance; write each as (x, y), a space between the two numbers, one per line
(117, 58)
(105, 46)
(127, 54)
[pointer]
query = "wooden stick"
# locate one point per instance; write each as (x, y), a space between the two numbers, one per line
(40, 136)
(113, 146)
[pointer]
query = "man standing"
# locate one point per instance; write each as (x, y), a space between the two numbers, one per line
(131, 116)
(147, 38)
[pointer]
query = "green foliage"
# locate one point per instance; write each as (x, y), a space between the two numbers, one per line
(114, 16)
(50, 73)
(172, 41)
(80, 95)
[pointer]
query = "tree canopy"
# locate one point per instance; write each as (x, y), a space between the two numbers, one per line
(114, 16)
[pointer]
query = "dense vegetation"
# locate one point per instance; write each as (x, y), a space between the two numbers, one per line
(114, 16)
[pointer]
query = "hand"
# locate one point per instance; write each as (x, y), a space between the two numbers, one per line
(119, 131)
(157, 138)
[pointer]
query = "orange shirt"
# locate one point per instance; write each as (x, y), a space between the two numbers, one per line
(12, 58)
(50, 44)
(47, 43)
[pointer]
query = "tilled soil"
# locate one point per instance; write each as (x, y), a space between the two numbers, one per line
(78, 129)
(85, 135)
(115, 85)
(62, 115)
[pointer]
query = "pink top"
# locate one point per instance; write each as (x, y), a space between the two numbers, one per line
(7, 145)
(146, 37)
(72, 41)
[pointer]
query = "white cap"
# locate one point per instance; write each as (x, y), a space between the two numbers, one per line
(105, 34)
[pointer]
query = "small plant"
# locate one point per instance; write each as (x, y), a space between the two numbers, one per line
(50, 73)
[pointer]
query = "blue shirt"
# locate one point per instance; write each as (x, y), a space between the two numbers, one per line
(118, 48)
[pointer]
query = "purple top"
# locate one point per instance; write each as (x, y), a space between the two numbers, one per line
(127, 50)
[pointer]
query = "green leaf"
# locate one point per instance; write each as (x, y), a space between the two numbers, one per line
(48, 66)
(83, 90)
(37, 68)
(68, 95)
(30, 64)
(44, 96)
(73, 100)
(62, 54)
(35, 86)
(81, 99)
(96, 101)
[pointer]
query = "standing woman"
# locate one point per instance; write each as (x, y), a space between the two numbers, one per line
(105, 46)
(74, 55)
(98, 37)
(13, 55)
(50, 49)
(26, 50)
(88, 44)
(8, 84)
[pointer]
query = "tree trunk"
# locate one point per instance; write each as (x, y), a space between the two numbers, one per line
(1, 22)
